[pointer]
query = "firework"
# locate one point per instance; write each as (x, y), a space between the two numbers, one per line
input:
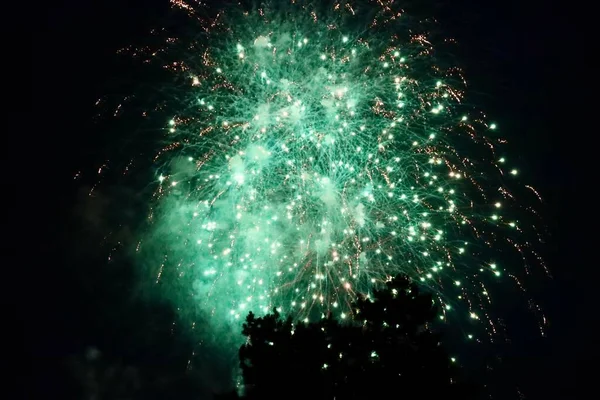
(309, 152)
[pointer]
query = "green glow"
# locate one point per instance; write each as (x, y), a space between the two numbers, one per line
(305, 162)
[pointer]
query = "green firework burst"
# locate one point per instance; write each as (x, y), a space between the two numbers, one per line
(315, 151)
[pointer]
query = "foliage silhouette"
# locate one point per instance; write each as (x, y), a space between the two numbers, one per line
(387, 350)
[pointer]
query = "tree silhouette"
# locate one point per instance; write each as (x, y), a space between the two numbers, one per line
(387, 351)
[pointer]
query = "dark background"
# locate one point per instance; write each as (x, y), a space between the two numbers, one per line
(526, 64)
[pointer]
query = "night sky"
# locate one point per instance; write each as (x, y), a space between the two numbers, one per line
(526, 65)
